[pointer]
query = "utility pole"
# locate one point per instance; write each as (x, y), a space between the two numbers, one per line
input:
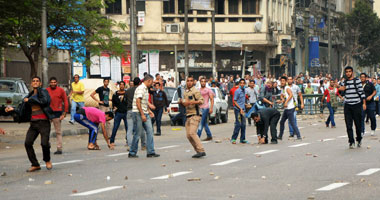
(133, 38)
(175, 66)
(214, 72)
(186, 38)
(329, 35)
(244, 62)
(306, 24)
(45, 63)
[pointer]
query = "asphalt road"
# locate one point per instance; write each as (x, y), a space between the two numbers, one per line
(319, 167)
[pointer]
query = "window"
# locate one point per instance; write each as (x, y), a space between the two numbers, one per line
(181, 7)
(202, 12)
(203, 19)
(127, 4)
(233, 19)
(233, 7)
(140, 6)
(114, 8)
(169, 7)
(250, 7)
(219, 7)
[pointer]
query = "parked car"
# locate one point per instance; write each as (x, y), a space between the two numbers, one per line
(170, 93)
(12, 93)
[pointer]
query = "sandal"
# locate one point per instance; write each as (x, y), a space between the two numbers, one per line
(94, 148)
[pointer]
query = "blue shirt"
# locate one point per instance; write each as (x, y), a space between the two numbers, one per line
(377, 90)
(239, 97)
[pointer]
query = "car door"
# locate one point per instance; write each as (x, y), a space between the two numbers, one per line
(223, 102)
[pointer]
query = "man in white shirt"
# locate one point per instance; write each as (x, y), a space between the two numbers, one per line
(296, 92)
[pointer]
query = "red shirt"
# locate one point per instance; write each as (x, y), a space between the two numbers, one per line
(232, 93)
(57, 97)
(327, 93)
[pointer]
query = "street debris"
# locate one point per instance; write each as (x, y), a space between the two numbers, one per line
(232, 196)
(124, 187)
(70, 175)
(193, 179)
(163, 196)
(311, 198)
(177, 161)
(309, 154)
(218, 141)
(362, 180)
(31, 180)
(74, 191)
(368, 147)
(217, 177)
(263, 177)
(212, 173)
(108, 178)
(126, 178)
(170, 176)
(7, 147)
(163, 165)
(176, 129)
(3, 174)
(315, 156)
(48, 182)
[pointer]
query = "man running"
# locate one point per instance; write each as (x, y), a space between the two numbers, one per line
(91, 117)
(239, 109)
(369, 91)
(354, 104)
(36, 109)
(265, 118)
(104, 99)
(296, 93)
(77, 94)
(58, 97)
(120, 104)
(206, 109)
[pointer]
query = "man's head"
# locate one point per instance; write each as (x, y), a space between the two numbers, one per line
(109, 116)
(231, 78)
(122, 85)
(378, 81)
(283, 81)
(190, 82)
(321, 82)
(242, 83)
(148, 80)
(158, 76)
(157, 85)
(213, 83)
(53, 82)
(308, 84)
(106, 82)
(203, 82)
(290, 81)
(136, 81)
(348, 71)
(332, 83)
(363, 77)
(255, 117)
(76, 78)
(36, 82)
(251, 83)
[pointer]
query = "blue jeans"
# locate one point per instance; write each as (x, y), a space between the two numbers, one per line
(370, 111)
(140, 127)
(181, 115)
(239, 125)
(331, 116)
(204, 123)
(116, 124)
(291, 130)
(157, 118)
(92, 127)
(74, 106)
(132, 128)
(309, 107)
(288, 114)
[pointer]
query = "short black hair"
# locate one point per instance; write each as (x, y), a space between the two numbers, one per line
(321, 82)
(241, 80)
(253, 115)
(39, 78)
(364, 74)
(157, 83)
(145, 73)
(251, 81)
(157, 74)
(136, 81)
(284, 77)
(348, 67)
(122, 82)
(53, 79)
(76, 75)
(110, 114)
(105, 79)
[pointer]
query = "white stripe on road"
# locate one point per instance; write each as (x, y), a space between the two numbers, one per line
(299, 145)
(65, 162)
(253, 136)
(168, 147)
(325, 140)
(97, 191)
(368, 172)
(343, 136)
(171, 175)
(299, 128)
(265, 152)
(332, 186)
(205, 142)
(118, 154)
(226, 162)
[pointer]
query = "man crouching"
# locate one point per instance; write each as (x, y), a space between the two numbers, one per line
(263, 119)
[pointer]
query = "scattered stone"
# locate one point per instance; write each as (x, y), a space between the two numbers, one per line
(258, 156)
(170, 176)
(194, 179)
(369, 184)
(315, 156)
(108, 178)
(7, 147)
(311, 198)
(70, 175)
(48, 182)
(126, 178)
(368, 147)
(163, 196)
(31, 180)
(177, 161)
(124, 187)
(289, 185)
(212, 173)
(218, 141)
(254, 166)
(362, 180)
(74, 191)
(232, 196)
(309, 154)
(3, 174)
(263, 177)
(217, 177)
(163, 165)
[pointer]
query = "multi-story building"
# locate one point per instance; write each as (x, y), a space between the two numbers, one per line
(261, 26)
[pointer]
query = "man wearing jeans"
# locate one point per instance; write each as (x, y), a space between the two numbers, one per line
(289, 108)
(369, 91)
(239, 109)
(104, 99)
(253, 94)
(160, 101)
(142, 118)
(206, 109)
(119, 101)
(77, 94)
(296, 91)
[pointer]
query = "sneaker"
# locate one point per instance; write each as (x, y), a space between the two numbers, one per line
(199, 155)
(132, 156)
(157, 134)
(291, 136)
(352, 145)
(58, 152)
(207, 139)
(299, 138)
(71, 122)
(279, 138)
(273, 142)
(233, 141)
(363, 133)
(359, 144)
(244, 142)
(372, 132)
(153, 155)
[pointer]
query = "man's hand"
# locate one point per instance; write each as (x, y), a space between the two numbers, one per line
(369, 98)
(9, 109)
(26, 100)
(302, 106)
(2, 131)
(62, 116)
(210, 111)
(242, 111)
(101, 102)
(285, 105)
(151, 114)
(143, 117)
(364, 107)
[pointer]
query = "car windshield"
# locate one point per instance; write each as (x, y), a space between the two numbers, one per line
(7, 86)
(175, 97)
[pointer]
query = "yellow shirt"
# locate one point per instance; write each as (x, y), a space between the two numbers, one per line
(78, 87)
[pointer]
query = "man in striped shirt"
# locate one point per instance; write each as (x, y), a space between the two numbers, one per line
(354, 104)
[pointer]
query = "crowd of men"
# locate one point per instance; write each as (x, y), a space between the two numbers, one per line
(256, 98)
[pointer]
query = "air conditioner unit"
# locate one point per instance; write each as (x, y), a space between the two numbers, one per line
(279, 26)
(172, 28)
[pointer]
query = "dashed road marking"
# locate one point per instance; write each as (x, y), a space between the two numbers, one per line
(65, 162)
(266, 152)
(299, 128)
(253, 136)
(325, 140)
(171, 175)
(205, 142)
(299, 145)
(97, 191)
(343, 136)
(332, 186)
(168, 147)
(226, 162)
(118, 154)
(368, 172)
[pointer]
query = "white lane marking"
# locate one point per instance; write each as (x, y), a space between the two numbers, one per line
(325, 140)
(226, 162)
(299, 128)
(315, 124)
(332, 186)
(65, 162)
(368, 172)
(253, 136)
(343, 136)
(171, 175)
(168, 147)
(118, 154)
(205, 142)
(97, 191)
(265, 152)
(299, 145)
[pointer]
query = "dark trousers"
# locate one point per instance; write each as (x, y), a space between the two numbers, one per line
(181, 115)
(239, 125)
(273, 126)
(116, 123)
(157, 118)
(370, 112)
(353, 113)
(38, 127)
(249, 117)
(289, 114)
(377, 107)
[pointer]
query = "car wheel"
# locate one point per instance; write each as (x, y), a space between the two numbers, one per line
(218, 120)
(225, 117)
(213, 120)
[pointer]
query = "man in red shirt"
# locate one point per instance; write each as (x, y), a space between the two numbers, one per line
(232, 91)
(58, 96)
(332, 102)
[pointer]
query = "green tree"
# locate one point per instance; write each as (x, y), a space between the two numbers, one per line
(361, 34)
(68, 22)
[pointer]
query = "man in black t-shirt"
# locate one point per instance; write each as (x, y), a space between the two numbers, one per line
(369, 91)
(104, 99)
(120, 104)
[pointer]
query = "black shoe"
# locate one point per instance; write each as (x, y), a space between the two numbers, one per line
(157, 134)
(132, 156)
(273, 142)
(291, 136)
(352, 145)
(199, 155)
(172, 123)
(359, 144)
(207, 139)
(279, 138)
(153, 155)
(58, 152)
(299, 138)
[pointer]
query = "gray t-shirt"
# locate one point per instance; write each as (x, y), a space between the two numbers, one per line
(295, 90)
(253, 94)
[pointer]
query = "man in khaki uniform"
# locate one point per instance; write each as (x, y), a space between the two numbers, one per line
(192, 100)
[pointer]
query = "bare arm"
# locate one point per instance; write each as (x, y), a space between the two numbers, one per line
(289, 91)
(105, 133)
(93, 96)
(212, 103)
